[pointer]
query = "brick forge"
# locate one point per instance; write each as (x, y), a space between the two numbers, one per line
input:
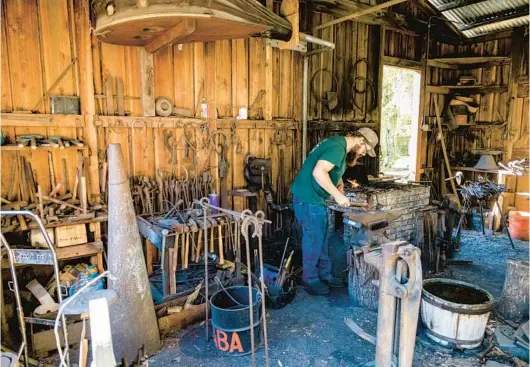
(387, 197)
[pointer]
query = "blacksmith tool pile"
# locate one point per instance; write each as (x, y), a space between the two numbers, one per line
(518, 167)
(168, 194)
(61, 204)
(481, 189)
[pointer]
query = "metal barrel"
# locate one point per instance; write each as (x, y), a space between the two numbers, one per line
(230, 308)
(455, 313)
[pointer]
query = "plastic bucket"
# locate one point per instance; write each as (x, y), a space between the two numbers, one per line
(230, 309)
(518, 225)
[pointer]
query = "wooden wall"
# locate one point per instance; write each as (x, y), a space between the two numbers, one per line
(506, 108)
(39, 42)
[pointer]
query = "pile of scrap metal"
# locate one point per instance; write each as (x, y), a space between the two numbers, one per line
(481, 189)
(167, 194)
(61, 204)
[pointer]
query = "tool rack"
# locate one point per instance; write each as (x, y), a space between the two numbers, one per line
(171, 242)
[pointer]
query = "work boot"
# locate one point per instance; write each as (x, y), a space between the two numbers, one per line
(335, 282)
(316, 288)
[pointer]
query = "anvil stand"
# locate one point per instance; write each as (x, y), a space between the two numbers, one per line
(400, 285)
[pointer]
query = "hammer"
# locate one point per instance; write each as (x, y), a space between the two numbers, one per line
(221, 248)
(213, 223)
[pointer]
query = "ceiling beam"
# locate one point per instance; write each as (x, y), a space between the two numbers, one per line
(358, 14)
(172, 35)
(458, 4)
(431, 10)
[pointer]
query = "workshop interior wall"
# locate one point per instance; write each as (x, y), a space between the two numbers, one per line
(510, 135)
(39, 44)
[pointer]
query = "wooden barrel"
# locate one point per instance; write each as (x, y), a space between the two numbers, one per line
(455, 313)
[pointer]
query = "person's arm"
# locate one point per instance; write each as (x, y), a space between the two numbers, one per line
(340, 186)
(321, 175)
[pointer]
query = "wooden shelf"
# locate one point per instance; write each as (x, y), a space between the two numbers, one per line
(471, 89)
(16, 147)
(77, 251)
(468, 62)
(33, 225)
(472, 169)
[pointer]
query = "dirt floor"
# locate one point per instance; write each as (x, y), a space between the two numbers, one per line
(311, 330)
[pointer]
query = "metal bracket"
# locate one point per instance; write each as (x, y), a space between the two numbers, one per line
(301, 47)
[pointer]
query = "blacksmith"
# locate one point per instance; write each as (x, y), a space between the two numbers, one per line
(319, 179)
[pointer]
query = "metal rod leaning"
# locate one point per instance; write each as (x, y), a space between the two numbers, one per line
(244, 231)
(205, 203)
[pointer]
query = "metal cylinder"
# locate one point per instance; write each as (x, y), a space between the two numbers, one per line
(231, 320)
(133, 320)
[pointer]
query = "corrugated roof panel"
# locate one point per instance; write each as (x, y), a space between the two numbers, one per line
(499, 26)
(503, 14)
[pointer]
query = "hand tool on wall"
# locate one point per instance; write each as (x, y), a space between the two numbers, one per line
(53, 183)
(57, 140)
(31, 139)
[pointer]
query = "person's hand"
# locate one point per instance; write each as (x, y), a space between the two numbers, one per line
(340, 187)
(342, 200)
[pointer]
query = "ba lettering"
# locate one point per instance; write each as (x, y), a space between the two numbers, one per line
(221, 342)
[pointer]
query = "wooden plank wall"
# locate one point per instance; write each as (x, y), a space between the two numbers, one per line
(356, 55)
(227, 74)
(494, 108)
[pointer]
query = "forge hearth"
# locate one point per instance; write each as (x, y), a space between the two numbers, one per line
(386, 197)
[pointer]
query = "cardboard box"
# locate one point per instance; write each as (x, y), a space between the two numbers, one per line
(70, 235)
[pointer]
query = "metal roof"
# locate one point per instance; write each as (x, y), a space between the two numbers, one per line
(476, 17)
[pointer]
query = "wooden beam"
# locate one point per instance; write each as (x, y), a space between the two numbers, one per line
(360, 13)
(178, 32)
(444, 151)
(86, 82)
(147, 82)
(404, 63)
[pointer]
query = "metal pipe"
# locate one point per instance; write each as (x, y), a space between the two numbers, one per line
(327, 45)
(20, 314)
(49, 244)
(316, 41)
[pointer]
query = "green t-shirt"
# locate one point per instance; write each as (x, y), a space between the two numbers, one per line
(305, 186)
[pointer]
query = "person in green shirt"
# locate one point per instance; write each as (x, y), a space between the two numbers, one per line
(319, 178)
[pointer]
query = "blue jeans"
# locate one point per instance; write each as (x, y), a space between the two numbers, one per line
(315, 257)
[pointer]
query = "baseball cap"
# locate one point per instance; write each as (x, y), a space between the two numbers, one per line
(371, 138)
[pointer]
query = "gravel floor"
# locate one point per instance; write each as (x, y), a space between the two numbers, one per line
(311, 331)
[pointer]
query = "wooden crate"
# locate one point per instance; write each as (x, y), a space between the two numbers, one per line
(70, 235)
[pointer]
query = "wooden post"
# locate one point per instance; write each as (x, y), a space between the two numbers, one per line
(516, 54)
(147, 77)
(513, 304)
(86, 80)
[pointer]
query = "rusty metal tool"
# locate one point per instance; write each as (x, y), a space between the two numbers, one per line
(30, 181)
(48, 143)
(53, 200)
